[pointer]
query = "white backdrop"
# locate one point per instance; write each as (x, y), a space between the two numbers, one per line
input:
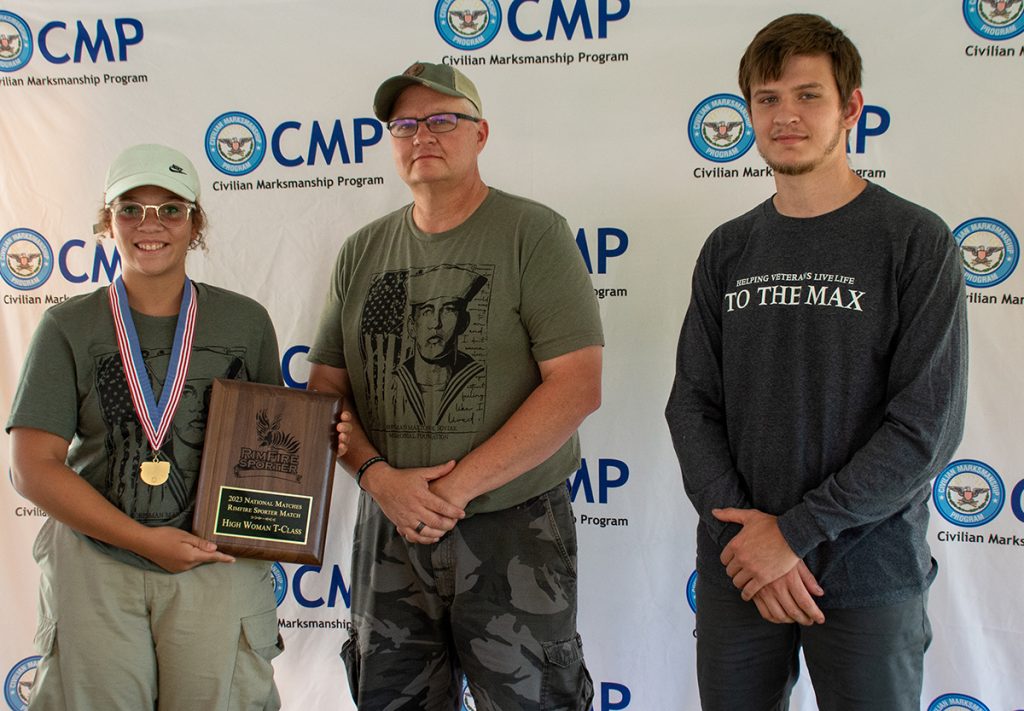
(597, 108)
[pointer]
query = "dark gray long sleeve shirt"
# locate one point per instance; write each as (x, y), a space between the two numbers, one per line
(821, 378)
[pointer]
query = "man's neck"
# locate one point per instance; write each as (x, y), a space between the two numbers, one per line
(439, 208)
(816, 193)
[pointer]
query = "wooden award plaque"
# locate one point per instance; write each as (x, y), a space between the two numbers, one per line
(267, 471)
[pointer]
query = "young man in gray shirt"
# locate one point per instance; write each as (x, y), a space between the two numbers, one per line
(820, 383)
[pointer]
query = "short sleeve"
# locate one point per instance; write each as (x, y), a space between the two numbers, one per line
(559, 307)
(47, 395)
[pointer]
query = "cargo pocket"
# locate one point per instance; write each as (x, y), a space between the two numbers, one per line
(46, 690)
(567, 685)
(252, 685)
(46, 636)
(350, 656)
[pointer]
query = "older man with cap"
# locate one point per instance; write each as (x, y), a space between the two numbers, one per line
(464, 558)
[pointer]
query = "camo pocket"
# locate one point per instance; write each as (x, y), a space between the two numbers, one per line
(567, 685)
(350, 657)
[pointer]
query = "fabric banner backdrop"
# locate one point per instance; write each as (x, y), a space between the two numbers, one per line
(622, 115)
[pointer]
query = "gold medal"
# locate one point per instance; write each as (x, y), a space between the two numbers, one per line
(156, 472)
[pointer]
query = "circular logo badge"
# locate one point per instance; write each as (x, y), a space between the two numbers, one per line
(15, 42)
(468, 704)
(18, 683)
(989, 251)
(235, 143)
(26, 260)
(467, 24)
(957, 702)
(691, 591)
(720, 128)
(995, 19)
(280, 582)
(968, 493)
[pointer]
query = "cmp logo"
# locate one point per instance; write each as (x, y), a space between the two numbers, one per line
(18, 683)
(989, 251)
(26, 260)
(720, 128)
(15, 42)
(691, 591)
(235, 143)
(957, 702)
(280, 582)
(968, 493)
(995, 19)
(467, 24)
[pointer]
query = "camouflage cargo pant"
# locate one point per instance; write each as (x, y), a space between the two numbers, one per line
(495, 599)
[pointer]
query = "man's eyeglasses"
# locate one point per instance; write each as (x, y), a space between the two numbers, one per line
(438, 123)
(132, 214)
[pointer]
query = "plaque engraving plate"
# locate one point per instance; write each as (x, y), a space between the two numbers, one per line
(267, 471)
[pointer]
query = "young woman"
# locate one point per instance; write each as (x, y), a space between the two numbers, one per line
(106, 432)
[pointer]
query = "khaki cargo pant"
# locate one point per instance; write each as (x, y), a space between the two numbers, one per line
(115, 637)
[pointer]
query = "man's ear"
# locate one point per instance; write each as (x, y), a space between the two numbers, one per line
(853, 109)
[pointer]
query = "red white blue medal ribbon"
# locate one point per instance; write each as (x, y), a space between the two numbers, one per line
(155, 416)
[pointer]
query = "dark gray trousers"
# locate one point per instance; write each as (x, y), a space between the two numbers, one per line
(862, 659)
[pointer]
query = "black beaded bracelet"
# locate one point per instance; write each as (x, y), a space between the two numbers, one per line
(366, 465)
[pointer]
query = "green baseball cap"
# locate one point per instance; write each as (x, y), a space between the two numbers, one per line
(439, 77)
(152, 164)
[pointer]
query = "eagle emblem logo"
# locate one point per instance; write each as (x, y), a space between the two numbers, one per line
(468, 22)
(989, 251)
(25, 687)
(968, 498)
(723, 133)
(968, 493)
(982, 257)
(719, 128)
(235, 143)
(10, 45)
(26, 260)
(468, 702)
(234, 148)
(1000, 12)
(25, 263)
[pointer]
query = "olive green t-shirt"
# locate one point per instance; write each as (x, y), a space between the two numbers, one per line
(441, 333)
(72, 385)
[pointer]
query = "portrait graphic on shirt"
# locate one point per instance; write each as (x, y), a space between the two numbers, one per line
(422, 338)
(126, 445)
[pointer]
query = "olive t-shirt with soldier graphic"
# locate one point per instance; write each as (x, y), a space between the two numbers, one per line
(449, 328)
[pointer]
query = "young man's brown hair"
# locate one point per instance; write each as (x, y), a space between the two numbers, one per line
(797, 34)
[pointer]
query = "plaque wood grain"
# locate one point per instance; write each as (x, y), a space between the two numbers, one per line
(267, 471)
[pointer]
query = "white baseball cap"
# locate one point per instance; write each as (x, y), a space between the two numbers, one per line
(152, 164)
